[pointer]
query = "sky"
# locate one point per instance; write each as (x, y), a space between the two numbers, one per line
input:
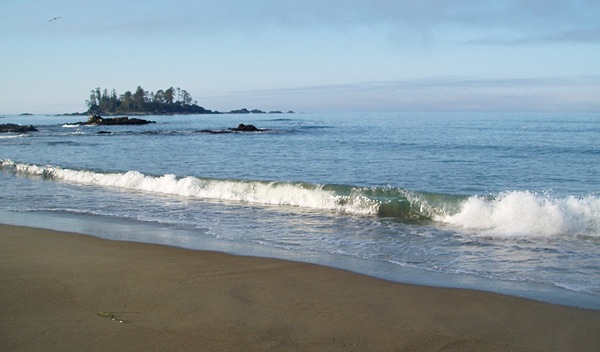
(309, 55)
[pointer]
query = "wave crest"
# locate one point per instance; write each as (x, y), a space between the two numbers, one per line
(523, 213)
(513, 213)
(258, 192)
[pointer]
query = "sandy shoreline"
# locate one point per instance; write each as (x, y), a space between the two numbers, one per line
(70, 292)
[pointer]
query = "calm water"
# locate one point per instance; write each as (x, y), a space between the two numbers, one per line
(500, 202)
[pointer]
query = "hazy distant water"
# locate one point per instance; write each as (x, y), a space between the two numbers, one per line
(505, 202)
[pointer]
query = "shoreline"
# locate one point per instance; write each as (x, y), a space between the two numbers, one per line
(62, 291)
(123, 230)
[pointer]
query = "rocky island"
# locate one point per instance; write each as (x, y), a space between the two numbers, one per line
(162, 102)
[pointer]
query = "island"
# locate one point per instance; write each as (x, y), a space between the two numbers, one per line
(170, 101)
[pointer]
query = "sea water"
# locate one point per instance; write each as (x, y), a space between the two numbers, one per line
(504, 202)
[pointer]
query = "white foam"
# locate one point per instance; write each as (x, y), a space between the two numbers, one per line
(7, 136)
(523, 213)
(514, 213)
(270, 193)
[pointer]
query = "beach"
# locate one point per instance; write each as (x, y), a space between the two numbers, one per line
(69, 292)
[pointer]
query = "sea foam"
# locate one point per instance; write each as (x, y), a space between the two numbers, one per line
(523, 213)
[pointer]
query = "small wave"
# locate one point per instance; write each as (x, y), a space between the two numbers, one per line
(526, 214)
(9, 136)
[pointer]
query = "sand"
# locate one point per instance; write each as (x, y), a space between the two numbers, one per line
(71, 292)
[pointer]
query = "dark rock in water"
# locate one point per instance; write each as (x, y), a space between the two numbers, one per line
(99, 120)
(11, 127)
(104, 132)
(240, 111)
(246, 111)
(214, 131)
(240, 128)
(246, 128)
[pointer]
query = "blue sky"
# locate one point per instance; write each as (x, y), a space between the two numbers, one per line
(310, 55)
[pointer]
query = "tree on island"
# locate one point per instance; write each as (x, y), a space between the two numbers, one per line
(170, 101)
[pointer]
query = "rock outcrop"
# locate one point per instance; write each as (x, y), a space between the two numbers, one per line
(240, 128)
(11, 127)
(246, 128)
(98, 120)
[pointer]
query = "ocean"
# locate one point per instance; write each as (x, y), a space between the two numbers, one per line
(501, 202)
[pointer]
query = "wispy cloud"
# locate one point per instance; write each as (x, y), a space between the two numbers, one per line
(582, 36)
(476, 21)
(525, 20)
(438, 93)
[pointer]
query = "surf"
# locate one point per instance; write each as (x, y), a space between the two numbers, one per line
(506, 214)
(343, 199)
(527, 214)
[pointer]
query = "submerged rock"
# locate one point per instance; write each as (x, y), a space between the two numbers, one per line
(240, 128)
(11, 127)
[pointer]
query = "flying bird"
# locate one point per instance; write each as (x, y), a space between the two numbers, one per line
(54, 19)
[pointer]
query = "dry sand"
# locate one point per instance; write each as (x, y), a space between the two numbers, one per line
(70, 292)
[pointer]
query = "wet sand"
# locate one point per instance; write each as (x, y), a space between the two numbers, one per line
(71, 292)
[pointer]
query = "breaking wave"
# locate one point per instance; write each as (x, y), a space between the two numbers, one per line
(512, 213)
(526, 214)
(343, 199)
